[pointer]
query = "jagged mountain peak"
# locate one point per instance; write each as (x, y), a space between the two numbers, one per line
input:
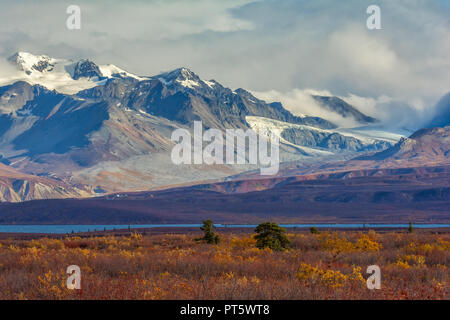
(181, 76)
(85, 69)
(180, 73)
(184, 78)
(244, 93)
(29, 63)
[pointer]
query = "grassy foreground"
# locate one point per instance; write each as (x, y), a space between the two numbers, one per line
(329, 265)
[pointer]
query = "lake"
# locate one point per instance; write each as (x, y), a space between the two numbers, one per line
(61, 229)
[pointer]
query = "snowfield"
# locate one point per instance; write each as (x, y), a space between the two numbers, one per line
(57, 74)
(365, 137)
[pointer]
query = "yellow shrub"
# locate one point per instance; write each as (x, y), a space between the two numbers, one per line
(309, 272)
(229, 275)
(365, 243)
(340, 244)
(426, 247)
(243, 243)
(329, 278)
(443, 245)
(402, 264)
(407, 261)
(333, 242)
(356, 275)
(223, 257)
(255, 280)
(242, 281)
(333, 279)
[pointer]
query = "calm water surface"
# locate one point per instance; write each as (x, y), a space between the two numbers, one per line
(85, 228)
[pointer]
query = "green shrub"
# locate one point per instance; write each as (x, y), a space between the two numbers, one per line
(410, 228)
(271, 235)
(209, 235)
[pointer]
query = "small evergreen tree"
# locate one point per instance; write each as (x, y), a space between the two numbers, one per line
(209, 235)
(410, 228)
(271, 235)
(314, 230)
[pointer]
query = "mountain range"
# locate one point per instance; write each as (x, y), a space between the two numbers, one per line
(104, 129)
(102, 135)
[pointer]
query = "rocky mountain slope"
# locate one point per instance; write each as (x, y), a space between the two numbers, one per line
(423, 149)
(339, 106)
(424, 146)
(16, 187)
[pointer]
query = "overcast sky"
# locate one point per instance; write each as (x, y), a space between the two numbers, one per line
(278, 48)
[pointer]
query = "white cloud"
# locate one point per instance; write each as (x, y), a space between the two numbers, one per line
(390, 112)
(265, 45)
(301, 103)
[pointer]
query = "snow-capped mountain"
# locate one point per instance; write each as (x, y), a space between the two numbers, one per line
(183, 77)
(65, 76)
(103, 128)
(29, 63)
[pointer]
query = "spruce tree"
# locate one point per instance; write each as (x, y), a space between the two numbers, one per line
(271, 235)
(410, 228)
(209, 235)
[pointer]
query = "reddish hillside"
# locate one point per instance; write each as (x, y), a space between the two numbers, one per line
(426, 145)
(382, 196)
(16, 186)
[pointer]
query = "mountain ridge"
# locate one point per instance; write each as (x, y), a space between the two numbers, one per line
(113, 131)
(17, 187)
(344, 109)
(428, 144)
